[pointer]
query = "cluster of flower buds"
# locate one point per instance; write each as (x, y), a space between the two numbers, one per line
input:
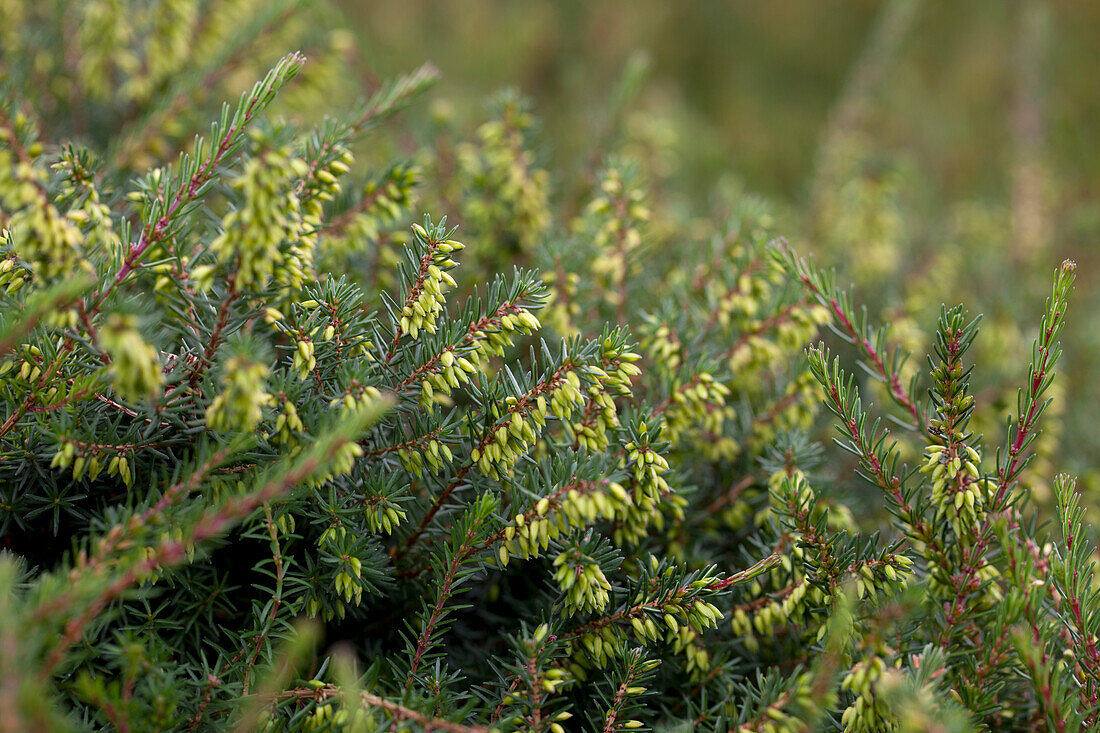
(348, 583)
(384, 200)
(789, 609)
(795, 409)
(562, 306)
(599, 646)
(867, 714)
(90, 460)
(324, 184)
(263, 237)
(940, 585)
(678, 615)
(528, 537)
(329, 716)
(888, 574)
(304, 360)
(425, 300)
(356, 397)
(87, 210)
(768, 342)
(620, 365)
(447, 372)
(648, 486)
(685, 640)
(583, 582)
(514, 193)
(635, 519)
(494, 338)
(340, 463)
(675, 620)
(596, 648)
(13, 276)
(647, 465)
(515, 431)
(565, 395)
(29, 370)
(600, 416)
(434, 453)
(663, 346)
(455, 366)
(239, 406)
(135, 369)
(509, 439)
(579, 506)
(51, 244)
(382, 515)
(288, 425)
(693, 612)
(741, 302)
(959, 491)
(617, 214)
(321, 187)
(697, 406)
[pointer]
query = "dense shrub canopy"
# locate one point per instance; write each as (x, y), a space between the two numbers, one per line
(282, 451)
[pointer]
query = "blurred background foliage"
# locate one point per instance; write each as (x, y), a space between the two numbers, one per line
(930, 150)
(752, 85)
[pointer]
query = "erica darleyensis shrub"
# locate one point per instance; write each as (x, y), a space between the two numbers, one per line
(280, 451)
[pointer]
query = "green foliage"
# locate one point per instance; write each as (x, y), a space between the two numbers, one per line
(280, 452)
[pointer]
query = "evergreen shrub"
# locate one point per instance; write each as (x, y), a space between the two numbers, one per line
(279, 451)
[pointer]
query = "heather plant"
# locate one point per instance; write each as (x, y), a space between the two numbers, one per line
(280, 451)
